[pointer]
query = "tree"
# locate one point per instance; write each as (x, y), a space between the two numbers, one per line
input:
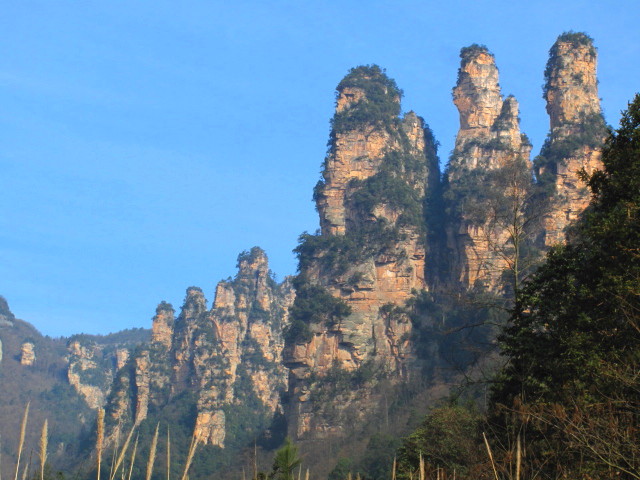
(285, 461)
(573, 346)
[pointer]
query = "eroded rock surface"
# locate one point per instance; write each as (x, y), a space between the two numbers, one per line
(488, 175)
(369, 256)
(577, 132)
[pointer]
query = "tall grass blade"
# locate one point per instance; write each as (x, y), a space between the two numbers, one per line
(133, 457)
(23, 429)
(486, 442)
(44, 440)
(115, 450)
(100, 439)
(152, 453)
(168, 453)
(121, 456)
(25, 471)
(192, 451)
(518, 457)
(393, 468)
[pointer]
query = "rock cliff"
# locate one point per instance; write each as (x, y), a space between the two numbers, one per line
(87, 373)
(227, 359)
(488, 177)
(27, 354)
(369, 256)
(577, 133)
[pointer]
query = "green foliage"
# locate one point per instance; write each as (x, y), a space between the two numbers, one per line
(377, 461)
(455, 332)
(590, 131)
(285, 461)
(467, 54)
(472, 51)
(313, 304)
(336, 253)
(380, 105)
(576, 39)
(384, 188)
(449, 438)
(341, 471)
(574, 336)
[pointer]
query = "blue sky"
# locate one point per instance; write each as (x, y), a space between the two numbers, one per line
(143, 145)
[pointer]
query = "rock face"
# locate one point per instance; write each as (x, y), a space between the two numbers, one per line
(370, 254)
(228, 358)
(487, 179)
(27, 354)
(87, 373)
(577, 132)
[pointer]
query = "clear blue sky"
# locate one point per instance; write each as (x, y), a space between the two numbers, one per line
(144, 144)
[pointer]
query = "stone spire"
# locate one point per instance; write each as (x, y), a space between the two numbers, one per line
(489, 140)
(162, 325)
(577, 132)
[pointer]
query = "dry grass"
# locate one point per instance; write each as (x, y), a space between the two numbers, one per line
(44, 440)
(23, 429)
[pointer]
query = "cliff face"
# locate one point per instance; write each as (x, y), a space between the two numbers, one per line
(369, 256)
(576, 136)
(87, 373)
(488, 177)
(226, 358)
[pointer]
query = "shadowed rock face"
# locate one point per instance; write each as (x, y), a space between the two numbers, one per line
(370, 156)
(577, 132)
(489, 140)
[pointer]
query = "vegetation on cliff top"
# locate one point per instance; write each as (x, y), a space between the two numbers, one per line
(379, 105)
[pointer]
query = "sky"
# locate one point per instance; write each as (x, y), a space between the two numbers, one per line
(144, 145)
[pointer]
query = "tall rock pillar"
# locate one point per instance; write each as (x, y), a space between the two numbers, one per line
(577, 132)
(368, 259)
(487, 179)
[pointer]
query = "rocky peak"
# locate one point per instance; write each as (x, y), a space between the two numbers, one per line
(477, 93)
(367, 109)
(194, 305)
(370, 254)
(162, 325)
(577, 132)
(571, 87)
(489, 140)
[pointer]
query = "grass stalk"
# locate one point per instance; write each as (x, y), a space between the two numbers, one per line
(152, 453)
(23, 429)
(168, 453)
(25, 470)
(133, 457)
(518, 457)
(121, 456)
(394, 468)
(100, 439)
(44, 440)
(192, 452)
(493, 464)
(422, 469)
(115, 451)
(306, 475)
